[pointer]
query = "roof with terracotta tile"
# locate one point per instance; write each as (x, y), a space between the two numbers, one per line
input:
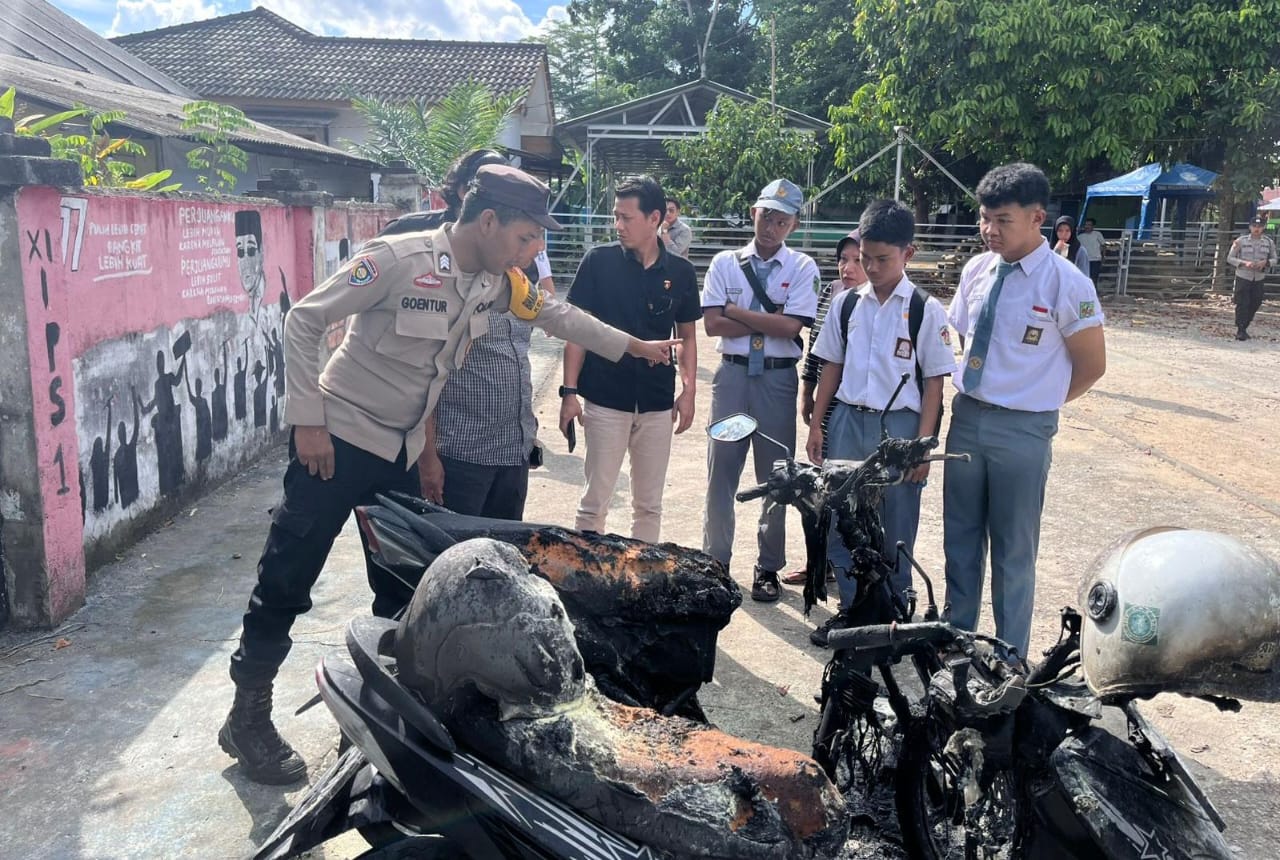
(258, 54)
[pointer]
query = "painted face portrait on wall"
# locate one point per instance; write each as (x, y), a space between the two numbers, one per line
(249, 253)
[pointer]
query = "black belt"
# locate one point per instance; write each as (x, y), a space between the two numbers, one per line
(858, 407)
(769, 363)
(982, 404)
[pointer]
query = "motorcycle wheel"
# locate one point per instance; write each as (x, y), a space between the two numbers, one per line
(931, 784)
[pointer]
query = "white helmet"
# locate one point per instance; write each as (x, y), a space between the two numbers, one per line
(1182, 611)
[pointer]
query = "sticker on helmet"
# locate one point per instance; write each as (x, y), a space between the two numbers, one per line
(1140, 625)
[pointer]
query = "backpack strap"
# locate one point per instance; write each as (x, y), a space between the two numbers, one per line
(846, 314)
(915, 319)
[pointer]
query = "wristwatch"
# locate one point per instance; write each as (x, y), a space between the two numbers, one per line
(565, 391)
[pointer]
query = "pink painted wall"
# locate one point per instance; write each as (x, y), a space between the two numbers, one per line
(154, 340)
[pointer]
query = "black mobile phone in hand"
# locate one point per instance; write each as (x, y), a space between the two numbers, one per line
(571, 434)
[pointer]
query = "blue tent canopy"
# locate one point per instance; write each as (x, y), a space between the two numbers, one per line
(1153, 183)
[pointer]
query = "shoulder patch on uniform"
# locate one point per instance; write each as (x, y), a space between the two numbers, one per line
(1086, 310)
(817, 285)
(946, 335)
(363, 272)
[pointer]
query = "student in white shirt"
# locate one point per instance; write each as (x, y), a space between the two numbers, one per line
(861, 373)
(1031, 328)
(759, 342)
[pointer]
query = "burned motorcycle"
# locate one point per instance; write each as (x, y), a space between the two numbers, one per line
(857, 734)
(478, 731)
(1011, 760)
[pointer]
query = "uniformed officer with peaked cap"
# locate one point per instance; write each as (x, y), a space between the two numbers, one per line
(413, 303)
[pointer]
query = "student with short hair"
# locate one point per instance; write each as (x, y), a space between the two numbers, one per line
(867, 348)
(755, 300)
(1031, 329)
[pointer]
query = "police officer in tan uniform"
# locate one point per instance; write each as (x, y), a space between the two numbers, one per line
(413, 302)
(1251, 254)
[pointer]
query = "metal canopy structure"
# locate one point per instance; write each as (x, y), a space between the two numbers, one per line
(627, 139)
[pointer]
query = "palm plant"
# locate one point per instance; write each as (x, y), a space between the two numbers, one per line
(429, 138)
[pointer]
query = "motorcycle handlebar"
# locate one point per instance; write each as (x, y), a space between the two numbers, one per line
(901, 637)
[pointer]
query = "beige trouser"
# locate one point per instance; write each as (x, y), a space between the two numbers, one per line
(609, 434)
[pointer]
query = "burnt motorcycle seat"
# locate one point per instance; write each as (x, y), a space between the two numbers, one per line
(490, 648)
(672, 783)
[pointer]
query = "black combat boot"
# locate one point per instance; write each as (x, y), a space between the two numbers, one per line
(249, 736)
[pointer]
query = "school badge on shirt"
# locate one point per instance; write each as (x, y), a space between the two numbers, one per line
(902, 349)
(1032, 335)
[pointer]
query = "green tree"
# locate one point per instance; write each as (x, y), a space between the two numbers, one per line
(745, 146)
(657, 44)
(215, 159)
(1080, 89)
(429, 138)
(818, 62)
(578, 59)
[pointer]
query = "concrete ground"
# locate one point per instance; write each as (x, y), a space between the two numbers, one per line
(108, 724)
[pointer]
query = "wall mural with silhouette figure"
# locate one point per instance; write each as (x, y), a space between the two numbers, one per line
(155, 336)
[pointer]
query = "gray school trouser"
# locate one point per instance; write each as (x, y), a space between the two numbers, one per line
(771, 399)
(854, 435)
(996, 497)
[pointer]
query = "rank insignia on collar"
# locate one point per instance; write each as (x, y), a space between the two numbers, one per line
(363, 272)
(445, 263)
(428, 281)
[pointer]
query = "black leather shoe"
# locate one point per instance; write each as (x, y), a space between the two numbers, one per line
(249, 737)
(765, 587)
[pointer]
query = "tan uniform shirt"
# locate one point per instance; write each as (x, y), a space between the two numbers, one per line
(1247, 249)
(412, 316)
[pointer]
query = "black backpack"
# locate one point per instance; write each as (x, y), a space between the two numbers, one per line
(915, 319)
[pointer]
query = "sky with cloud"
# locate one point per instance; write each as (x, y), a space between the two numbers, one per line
(480, 20)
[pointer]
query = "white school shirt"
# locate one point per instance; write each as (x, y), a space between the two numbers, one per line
(794, 284)
(1044, 300)
(879, 348)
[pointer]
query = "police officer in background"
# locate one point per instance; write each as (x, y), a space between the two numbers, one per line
(1251, 255)
(415, 302)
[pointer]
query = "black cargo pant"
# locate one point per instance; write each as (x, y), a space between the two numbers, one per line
(303, 528)
(1248, 298)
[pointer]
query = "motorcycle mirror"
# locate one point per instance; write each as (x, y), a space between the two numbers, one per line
(733, 428)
